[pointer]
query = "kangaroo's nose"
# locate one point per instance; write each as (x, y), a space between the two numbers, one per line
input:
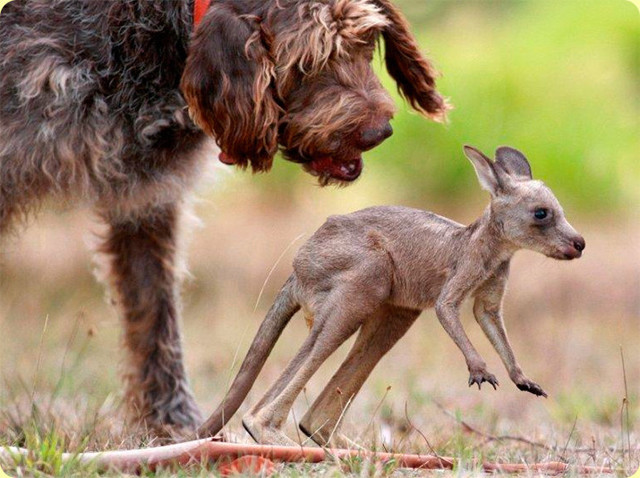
(579, 244)
(372, 137)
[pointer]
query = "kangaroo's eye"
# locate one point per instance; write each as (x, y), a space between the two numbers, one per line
(540, 213)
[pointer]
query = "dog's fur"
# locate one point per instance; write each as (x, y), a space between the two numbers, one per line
(110, 102)
(375, 270)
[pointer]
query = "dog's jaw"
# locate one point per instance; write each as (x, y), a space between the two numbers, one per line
(325, 167)
(340, 170)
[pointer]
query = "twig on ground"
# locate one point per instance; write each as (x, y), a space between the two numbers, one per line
(470, 429)
(207, 450)
(344, 409)
(273, 268)
(375, 412)
(625, 406)
(566, 446)
(39, 359)
(488, 437)
(297, 427)
(406, 416)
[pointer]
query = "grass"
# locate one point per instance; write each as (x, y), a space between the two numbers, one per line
(60, 386)
(469, 445)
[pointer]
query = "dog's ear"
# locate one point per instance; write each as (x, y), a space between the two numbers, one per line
(413, 73)
(227, 83)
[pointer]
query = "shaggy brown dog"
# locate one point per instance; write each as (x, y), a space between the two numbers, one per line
(93, 108)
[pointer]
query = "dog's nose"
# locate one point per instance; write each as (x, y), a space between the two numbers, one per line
(579, 244)
(372, 137)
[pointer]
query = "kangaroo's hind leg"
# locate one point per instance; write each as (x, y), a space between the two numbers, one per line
(342, 313)
(376, 338)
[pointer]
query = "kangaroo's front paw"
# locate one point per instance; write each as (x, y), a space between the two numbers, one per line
(481, 375)
(527, 385)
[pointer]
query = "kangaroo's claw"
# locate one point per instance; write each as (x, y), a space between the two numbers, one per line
(531, 387)
(483, 376)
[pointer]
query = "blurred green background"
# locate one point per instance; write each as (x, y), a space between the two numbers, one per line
(559, 80)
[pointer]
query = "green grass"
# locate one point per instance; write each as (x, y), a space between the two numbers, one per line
(469, 448)
(61, 389)
(54, 414)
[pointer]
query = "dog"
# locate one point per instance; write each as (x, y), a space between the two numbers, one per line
(375, 271)
(114, 104)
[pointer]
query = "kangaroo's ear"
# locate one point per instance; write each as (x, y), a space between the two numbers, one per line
(227, 83)
(484, 170)
(513, 162)
(413, 73)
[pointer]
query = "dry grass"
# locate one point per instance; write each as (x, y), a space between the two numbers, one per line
(568, 322)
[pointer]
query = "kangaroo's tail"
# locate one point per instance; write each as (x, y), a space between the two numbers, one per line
(284, 307)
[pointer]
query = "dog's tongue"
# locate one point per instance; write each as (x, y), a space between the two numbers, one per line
(226, 159)
(343, 170)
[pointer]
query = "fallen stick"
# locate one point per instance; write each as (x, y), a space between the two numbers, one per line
(208, 450)
(467, 428)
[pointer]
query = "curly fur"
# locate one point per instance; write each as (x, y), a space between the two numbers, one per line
(110, 103)
(296, 76)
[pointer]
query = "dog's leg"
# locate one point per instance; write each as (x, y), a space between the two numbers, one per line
(377, 336)
(144, 278)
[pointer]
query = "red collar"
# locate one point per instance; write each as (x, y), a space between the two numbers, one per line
(199, 9)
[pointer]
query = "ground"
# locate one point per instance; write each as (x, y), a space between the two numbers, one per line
(570, 324)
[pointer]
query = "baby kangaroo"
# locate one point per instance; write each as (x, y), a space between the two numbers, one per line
(375, 270)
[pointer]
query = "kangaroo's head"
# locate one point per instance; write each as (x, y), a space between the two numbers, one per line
(525, 210)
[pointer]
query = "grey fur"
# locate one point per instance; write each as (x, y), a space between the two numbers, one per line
(74, 123)
(90, 111)
(375, 270)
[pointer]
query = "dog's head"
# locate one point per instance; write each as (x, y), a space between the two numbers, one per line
(296, 74)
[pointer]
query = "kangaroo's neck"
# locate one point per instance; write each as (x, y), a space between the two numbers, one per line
(486, 239)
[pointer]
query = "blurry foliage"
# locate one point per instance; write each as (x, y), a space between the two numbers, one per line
(582, 404)
(558, 80)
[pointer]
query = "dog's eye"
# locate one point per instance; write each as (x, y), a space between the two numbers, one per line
(541, 213)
